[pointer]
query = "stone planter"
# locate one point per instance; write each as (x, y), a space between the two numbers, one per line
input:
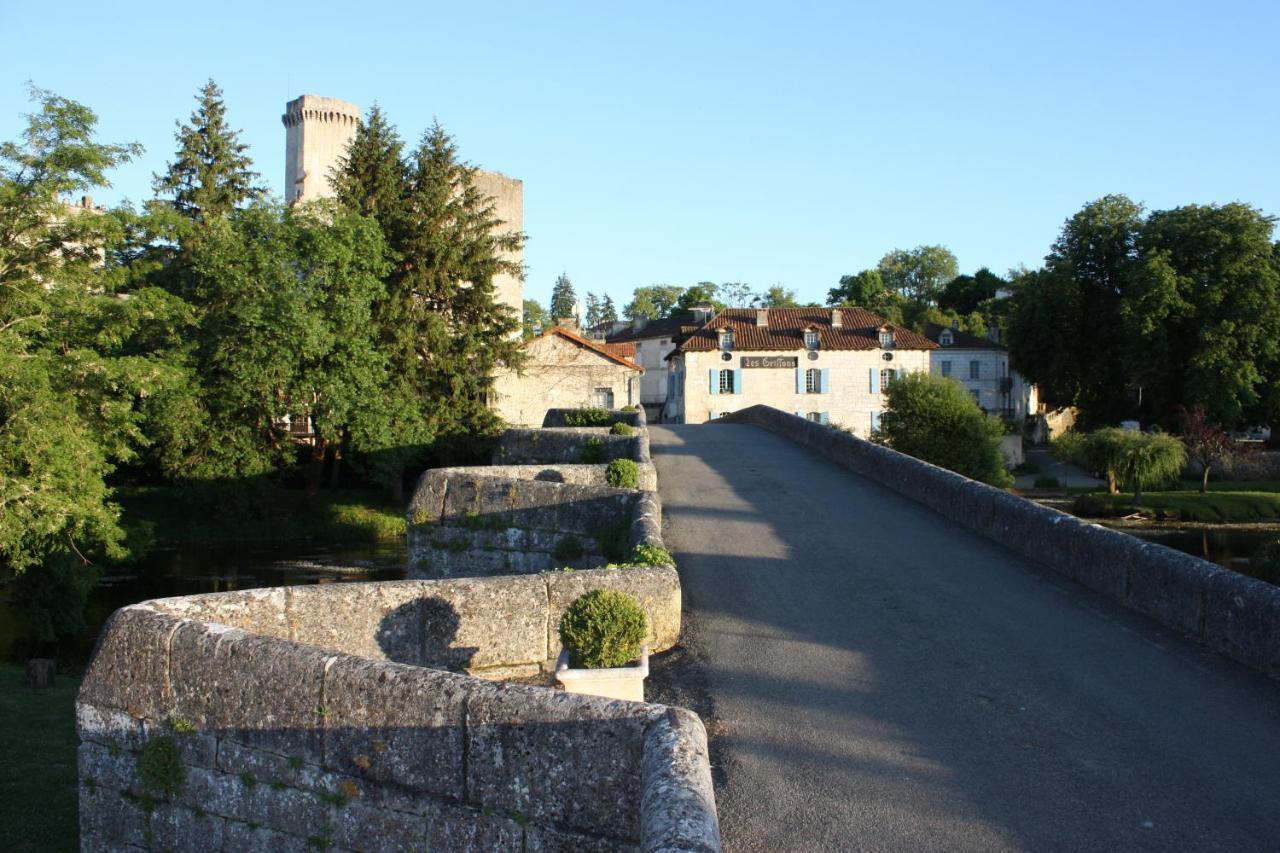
(623, 682)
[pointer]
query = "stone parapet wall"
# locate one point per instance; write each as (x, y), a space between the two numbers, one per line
(576, 475)
(567, 446)
(1237, 615)
(273, 744)
(561, 417)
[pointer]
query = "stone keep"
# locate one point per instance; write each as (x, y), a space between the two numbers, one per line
(317, 132)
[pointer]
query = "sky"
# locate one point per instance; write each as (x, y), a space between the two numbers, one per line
(673, 143)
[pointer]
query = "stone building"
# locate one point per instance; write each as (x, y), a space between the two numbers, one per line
(317, 132)
(830, 365)
(565, 370)
(982, 366)
(654, 340)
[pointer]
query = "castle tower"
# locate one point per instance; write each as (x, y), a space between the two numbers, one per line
(317, 132)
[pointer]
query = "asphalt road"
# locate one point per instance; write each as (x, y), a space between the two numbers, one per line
(880, 679)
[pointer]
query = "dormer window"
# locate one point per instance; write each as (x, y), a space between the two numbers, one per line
(946, 338)
(886, 338)
(726, 339)
(810, 338)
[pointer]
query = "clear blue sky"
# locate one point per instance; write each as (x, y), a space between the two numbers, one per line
(757, 142)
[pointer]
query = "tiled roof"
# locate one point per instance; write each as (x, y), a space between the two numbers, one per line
(601, 349)
(625, 350)
(962, 340)
(859, 330)
(667, 327)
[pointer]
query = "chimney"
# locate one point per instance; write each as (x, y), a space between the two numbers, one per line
(86, 201)
(993, 333)
(639, 322)
(570, 323)
(762, 317)
(703, 311)
(837, 321)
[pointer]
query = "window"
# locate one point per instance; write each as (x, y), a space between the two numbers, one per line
(886, 339)
(602, 398)
(726, 382)
(946, 368)
(726, 339)
(811, 339)
(813, 381)
(886, 378)
(946, 338)
(975, 369)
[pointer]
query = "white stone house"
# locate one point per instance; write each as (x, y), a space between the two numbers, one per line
(654, 340)
(565, 370)
(830, 365)
(982, 366)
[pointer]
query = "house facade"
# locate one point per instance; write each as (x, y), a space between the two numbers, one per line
(654, 340)
(981, 365)
(831, 365)
(565, 370)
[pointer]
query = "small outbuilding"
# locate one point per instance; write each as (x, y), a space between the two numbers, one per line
(565, 370)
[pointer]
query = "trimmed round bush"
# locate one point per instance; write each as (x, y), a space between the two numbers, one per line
(622, 474)
(603, 628)
(620, 428)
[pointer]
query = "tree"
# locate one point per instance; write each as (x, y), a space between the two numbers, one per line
(702, 292)
(1207, 443)
(653, 302)
(778, 296)
(918, 274)
(965, 294)
(372, 178)
(867, 290)
(592, 310)
(211, 174)
(936, 420)
(1202, 315)
(735, 294)
(564, 302)
(1150, 458)
(535, 318)
(608, 312)
(1065, 327)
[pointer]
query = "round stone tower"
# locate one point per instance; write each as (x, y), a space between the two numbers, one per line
(317, 131)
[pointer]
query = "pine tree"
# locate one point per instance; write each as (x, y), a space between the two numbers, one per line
(211, 174)
(372, 179)
(608, 312)
(563, 299)
(593, 310)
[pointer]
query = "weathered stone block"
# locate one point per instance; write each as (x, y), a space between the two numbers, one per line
(411, 736)
(106, 767)
(498, 621)
(536, 752)
(129, 670)
(451, 827)
(239, 836)
(110, 819)
(357, 826)
(257, 611)
(376, 620)
(545, 839)
(177, 827)
(300, 813)
(1169, 586)
(108, 727)
(1100, 559)
(258, 691)
(1242, 619)
(678, 806)
(656, 588)
(564, 446)
(559, 418)
(198, 749)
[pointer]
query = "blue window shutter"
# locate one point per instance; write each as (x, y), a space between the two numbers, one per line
(715, 381)
(737, 381)
(799, 380)
(825, 417)
(825, 377)
(875, 381)
(875, 420)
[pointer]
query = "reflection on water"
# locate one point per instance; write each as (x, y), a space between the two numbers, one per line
(1231, 548)
(190, 571)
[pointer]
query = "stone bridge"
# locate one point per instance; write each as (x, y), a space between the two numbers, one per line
(894, 658)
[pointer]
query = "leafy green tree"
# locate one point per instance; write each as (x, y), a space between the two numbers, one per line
(211, 174)
(1065, 329)
(936, 419)
(778, 296)
(608, 311)
(653, 302)
(734, 294)
(703, 291)
(1202, 314)
(966, 294)
(535, 318)
(918, 274)
(563, 299)
(867, 290)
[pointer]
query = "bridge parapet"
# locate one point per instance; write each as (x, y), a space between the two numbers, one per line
(1234, 614)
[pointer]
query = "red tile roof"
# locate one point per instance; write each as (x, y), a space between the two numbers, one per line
(600, 349)
(624, 350)
(859, 330)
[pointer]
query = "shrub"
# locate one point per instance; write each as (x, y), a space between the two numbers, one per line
(651, 555)
(622, 474)
(588, 418)
(1044, 482)
(603, 628)
(160, 767)
(592, 453)
(1091, 506)
(629, 409)
(620, 428)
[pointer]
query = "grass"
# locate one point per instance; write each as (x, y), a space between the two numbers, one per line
(39, 809)
(200, 516)
(1215, 507)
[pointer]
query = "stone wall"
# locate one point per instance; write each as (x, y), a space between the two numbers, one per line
(197, 735)
(1234, 614)
(560, 417)
(563, 373)
(567, 446)
(577, 475)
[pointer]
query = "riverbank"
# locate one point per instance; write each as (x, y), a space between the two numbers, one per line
(174, 516)
(38, 803)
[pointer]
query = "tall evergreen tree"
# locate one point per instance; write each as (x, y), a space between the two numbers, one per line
(592, 310)
(563, 299)
(608, 311)
(211, 174)
(372, 177)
